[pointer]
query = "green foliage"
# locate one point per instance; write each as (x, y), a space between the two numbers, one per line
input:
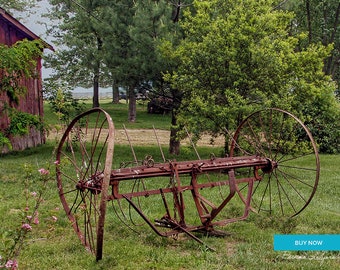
(320, 20)
(20, 5)
(64, 106)
(21, 122)
(4, 141)
(18, 62)
(323, 119)
(237, 57)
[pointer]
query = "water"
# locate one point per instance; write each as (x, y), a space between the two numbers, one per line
(87, 93)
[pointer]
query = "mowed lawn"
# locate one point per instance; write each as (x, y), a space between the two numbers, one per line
(52, 244)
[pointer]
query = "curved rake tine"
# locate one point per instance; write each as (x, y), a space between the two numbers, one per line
(192, 143)
(134, 154)
(120, 218)
(132, 150)
(232, 139)
(159, 145)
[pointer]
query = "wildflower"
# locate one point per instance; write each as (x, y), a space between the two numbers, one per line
(26, 227)
(33, 194)
(43, 171)
(12, 264)
(56, 162)
(29, 218)
(27, 208)
(54, 218)
(36, 220)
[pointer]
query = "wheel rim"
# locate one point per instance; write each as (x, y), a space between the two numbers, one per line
(288, 187)
(84, 160)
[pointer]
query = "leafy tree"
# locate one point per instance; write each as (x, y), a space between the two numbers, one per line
(150, 23)
(109, 42)
(321, 20)
(238, 56)
(79, 59)
(132, 59)
(167, 93)
(121, 59)
(19, 5)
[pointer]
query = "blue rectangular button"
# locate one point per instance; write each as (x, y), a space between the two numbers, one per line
(317, 242)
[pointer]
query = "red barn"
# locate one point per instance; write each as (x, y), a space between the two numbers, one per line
(11, 31)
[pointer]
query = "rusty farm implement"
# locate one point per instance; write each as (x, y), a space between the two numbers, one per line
(272, 167)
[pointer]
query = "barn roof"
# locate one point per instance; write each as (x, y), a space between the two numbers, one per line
(22, 28)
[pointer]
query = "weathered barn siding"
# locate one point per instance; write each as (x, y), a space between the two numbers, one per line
(12, 31)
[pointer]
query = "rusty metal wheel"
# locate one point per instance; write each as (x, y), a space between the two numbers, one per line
(84, 160)
(287, 186)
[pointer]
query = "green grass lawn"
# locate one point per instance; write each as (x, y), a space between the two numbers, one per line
(54, 245)
(119, 114)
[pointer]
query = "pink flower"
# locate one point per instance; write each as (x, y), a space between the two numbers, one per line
(29, 218)
(43, 171)
(12, 264)
(54, 218)
(36, 220)
(26, 227)
(57, 162)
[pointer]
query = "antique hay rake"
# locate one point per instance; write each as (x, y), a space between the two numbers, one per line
(272, 167)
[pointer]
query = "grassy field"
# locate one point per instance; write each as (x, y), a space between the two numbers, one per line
(119, 115)
(52, 244)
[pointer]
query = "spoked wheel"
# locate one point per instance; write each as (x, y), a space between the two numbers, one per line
(84, 160)
(287, 187)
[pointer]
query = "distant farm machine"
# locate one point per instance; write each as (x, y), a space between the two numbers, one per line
(272, 167)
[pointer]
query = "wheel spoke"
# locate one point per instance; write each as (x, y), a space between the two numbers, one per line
(262, 198)
(290, 175)
(299, 168)
(293, 187)
(256, 143)
(303, 155)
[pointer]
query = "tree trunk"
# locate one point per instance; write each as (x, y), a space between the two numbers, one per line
(95, 100)
(331, 60)
(309, 21)
(174, 144)
(96, 71)
(115, 93)
(132, 105)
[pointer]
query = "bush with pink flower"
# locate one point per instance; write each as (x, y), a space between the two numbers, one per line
(14, 240)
